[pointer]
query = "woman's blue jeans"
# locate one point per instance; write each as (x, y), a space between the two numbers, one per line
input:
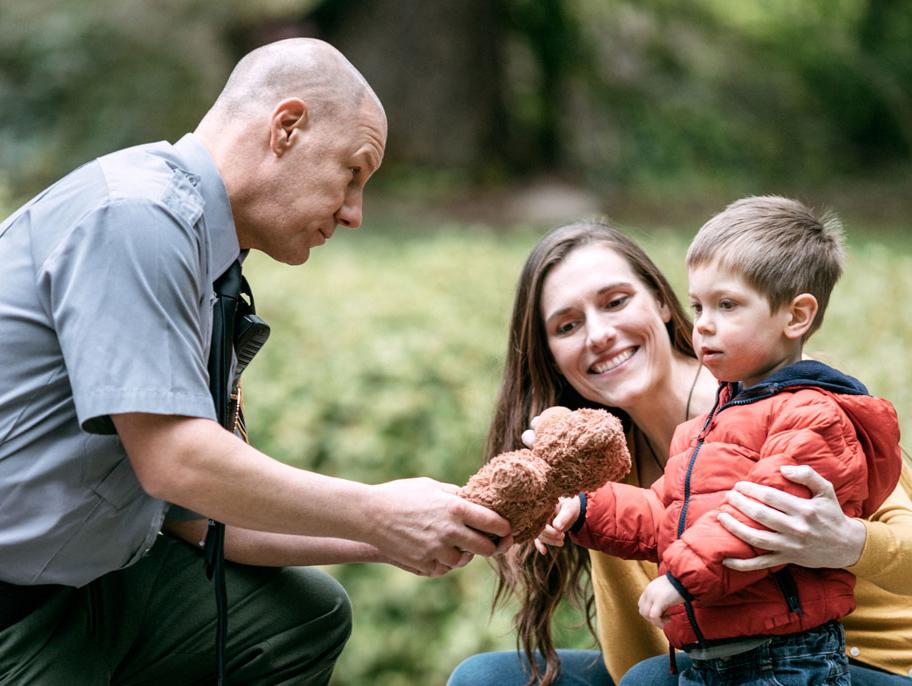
(585, 668)
(578, 668)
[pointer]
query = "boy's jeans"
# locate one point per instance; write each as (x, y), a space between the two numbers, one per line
(811, 657)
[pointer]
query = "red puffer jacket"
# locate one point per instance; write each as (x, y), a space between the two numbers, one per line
(806, 413)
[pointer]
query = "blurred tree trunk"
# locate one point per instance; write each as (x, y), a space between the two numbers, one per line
(438, 68)
(883, 39)
(553, 41)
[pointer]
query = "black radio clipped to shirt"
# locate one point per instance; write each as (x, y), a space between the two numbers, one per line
(250, 335)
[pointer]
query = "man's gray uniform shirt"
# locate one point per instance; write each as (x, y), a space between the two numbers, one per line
(105, 308)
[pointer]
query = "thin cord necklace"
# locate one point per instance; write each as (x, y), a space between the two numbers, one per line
(690, 394)
(652, 452)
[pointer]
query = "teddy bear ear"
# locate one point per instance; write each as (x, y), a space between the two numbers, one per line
(549, 416)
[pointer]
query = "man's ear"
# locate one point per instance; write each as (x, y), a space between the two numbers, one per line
(288, 117)
(802, 311)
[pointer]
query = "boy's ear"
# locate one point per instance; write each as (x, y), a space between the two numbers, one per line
(802, 311)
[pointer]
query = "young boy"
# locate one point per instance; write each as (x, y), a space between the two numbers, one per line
(760, 275)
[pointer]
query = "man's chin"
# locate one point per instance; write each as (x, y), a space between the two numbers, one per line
(291, 258)
(301, 259)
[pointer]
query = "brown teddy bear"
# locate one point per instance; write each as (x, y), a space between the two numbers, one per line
(574, 451)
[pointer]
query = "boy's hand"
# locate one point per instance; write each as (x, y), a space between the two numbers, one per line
(565, 514)
(657, 597)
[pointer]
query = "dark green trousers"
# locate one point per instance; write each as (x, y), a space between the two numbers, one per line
(154, 623)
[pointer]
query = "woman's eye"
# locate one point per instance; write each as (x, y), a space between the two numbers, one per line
(617, 302)
(565, 328)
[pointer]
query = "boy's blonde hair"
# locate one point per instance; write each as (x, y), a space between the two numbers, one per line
(778, 245)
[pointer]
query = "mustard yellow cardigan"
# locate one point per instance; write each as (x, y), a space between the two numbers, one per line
(878, 633)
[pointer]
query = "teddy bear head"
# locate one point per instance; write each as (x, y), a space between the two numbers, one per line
(574, 451)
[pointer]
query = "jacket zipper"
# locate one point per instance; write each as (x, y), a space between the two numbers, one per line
(682, 519)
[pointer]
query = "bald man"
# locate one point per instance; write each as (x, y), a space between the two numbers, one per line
(110, 455)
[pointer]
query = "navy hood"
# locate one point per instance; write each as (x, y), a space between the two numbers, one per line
(803, 373)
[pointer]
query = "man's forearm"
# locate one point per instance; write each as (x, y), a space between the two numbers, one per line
(200, 466)
(266, 549)
(418, 523)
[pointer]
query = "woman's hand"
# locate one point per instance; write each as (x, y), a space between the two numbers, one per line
(807, 532)
(565, 514)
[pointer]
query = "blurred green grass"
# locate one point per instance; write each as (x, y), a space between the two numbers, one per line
(384, 362)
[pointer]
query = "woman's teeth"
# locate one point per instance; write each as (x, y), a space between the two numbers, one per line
(615, 361)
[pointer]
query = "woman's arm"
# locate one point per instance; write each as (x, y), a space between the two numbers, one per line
(815, 533)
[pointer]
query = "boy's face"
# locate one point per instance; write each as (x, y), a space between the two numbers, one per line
(735, 334)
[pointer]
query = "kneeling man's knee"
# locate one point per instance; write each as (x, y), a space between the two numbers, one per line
(337, 621)
(320, 606)
(306, 620)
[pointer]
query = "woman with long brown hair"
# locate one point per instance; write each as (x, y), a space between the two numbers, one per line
(596, 324)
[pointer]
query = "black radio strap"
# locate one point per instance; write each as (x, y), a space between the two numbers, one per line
(227, 291)
(235, 329)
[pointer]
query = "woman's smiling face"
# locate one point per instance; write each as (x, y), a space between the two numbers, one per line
(605, 328)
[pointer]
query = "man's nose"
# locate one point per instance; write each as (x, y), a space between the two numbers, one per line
(350, 214)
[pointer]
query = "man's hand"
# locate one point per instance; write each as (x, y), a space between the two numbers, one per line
(657, 597)
(565, 514)
(424, 526)
(810, 532)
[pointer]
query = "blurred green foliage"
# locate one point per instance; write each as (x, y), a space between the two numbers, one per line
(645, 95)
(384, 362)
(757, 91)
(79, 78)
